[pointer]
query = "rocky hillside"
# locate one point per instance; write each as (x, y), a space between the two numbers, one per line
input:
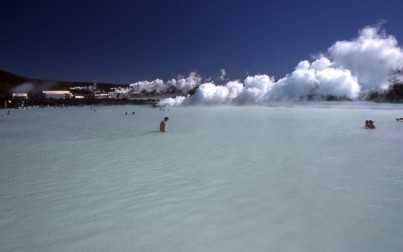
(393, 95)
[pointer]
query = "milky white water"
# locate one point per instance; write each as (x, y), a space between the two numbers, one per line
(284, 178)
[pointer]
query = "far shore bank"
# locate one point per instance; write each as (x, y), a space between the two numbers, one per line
(13, 103)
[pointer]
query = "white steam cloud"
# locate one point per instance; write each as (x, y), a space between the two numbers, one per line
(223, 74)
(372, 57)
(180, 86)
(349, 69)
(28, 87)
(23, 88)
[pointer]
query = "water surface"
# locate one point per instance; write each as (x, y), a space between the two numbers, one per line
(303, 177)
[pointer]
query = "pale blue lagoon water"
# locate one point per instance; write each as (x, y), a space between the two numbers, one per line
(303, 177)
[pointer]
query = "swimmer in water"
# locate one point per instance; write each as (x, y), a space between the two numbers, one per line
(164, 125)
(369, 124)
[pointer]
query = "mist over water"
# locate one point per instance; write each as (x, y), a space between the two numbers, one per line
(291, 177)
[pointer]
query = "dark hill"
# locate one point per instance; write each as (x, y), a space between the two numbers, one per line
(7, 76)
(8, 81)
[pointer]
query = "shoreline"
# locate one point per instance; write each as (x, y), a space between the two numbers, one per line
(41, 103)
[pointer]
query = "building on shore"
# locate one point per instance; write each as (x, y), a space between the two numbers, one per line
(20, 95)
(57, 94)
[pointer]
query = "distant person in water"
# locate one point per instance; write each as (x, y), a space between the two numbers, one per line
(164, 125)
(369, 124)
(399, 119)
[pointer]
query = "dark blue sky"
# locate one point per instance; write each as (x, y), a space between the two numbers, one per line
(128, 41)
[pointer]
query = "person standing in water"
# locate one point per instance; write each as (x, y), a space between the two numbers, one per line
(369, 124)
(164, 125)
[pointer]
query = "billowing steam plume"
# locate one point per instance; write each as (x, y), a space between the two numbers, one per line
(180, 86)
(349, 69)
